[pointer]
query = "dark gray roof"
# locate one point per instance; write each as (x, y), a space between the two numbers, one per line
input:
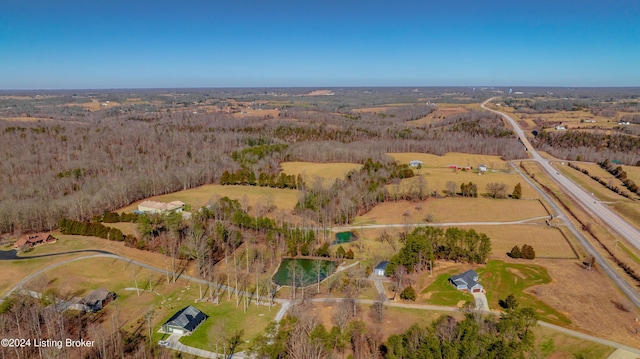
(382, 265)
(468, 278)
(187, 318)
(96, 296)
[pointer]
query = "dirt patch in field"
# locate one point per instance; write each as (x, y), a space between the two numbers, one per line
(590, 300)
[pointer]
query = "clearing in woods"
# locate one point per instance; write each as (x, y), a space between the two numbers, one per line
(256, 196)
(311, 171)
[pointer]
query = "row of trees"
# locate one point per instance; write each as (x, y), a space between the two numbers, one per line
(620, 174)
(426, 244)
(95, 229)
(608, 184)
(247, 177)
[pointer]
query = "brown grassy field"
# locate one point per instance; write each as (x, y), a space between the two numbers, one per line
(462, 159)
(310, 171)
(197, 197)
(453, 210)
(589, 299)
(546, 241)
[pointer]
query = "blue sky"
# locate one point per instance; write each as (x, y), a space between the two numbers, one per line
(46, 44)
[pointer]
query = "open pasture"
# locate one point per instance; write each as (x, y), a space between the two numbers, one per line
(453, 210)
(589, 299)
(546, 241)
(312, 172)
(198, 197)
(461, 159)
(436, 179)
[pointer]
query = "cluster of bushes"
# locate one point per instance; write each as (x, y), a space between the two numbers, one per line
(248, 177)
(95, 229)
(341, 253)
(613, 188)
(525, 252)
(620, 174)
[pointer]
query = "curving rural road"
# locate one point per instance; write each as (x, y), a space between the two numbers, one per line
(586, 201)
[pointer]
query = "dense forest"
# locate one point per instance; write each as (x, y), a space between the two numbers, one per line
(79, 165)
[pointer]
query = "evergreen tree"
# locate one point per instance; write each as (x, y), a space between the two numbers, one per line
(408, 294)
(517, 192)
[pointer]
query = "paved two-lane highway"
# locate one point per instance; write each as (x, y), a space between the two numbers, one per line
(584, 198)
(590, 204)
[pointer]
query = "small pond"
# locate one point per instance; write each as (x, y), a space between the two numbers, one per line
(306, 273)
(344, 237)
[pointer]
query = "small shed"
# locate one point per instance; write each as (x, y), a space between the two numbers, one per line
(185, 321)
(482, 168)
(415, 163)
(381, 268)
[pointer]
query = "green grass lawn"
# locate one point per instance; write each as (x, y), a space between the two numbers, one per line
(224, 320)
(500, 279)
(443, 293)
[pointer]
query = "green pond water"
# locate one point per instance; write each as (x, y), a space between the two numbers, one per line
(344, 237)
(306, 273)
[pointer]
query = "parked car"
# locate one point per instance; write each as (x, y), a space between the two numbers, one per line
(163, 343)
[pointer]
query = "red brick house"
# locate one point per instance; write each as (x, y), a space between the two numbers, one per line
(33, 239)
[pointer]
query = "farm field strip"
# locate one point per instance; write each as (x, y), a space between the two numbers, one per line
(198, 197)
